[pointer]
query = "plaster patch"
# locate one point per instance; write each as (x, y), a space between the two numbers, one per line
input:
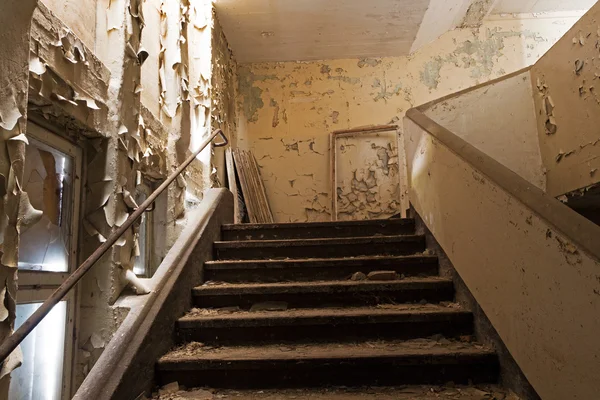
(251, 94)
(430, 75)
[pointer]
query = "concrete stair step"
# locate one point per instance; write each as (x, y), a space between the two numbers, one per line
(316, 268)
(315, 294)
(310, 230)
(412, 392)
(319, 248)
(401, 321)
(419, 361)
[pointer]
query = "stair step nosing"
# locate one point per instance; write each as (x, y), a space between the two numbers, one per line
(235, 244)
(454, 357)
(332, 287)
(332, 224)
(254, 320)
(312, 262)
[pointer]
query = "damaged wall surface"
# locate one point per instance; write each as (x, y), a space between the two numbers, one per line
(368, 176)
(78, 15)
(287, 110)
(16, 213)
(223, 95)
(129, 82)
(566, 84)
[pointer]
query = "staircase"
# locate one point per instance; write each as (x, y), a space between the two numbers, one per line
(325, 304)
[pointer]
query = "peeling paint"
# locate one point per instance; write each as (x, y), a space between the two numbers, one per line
(360, 92)
(370, 62)
(430, 75)
(476, 12)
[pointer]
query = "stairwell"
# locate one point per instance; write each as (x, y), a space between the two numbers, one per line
(327, 309)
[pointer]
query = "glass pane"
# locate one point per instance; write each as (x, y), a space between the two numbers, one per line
(140, 267)
(40, 376)
(48, 180)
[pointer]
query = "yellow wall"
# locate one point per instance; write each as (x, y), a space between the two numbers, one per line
(567, 94)
(287, 110)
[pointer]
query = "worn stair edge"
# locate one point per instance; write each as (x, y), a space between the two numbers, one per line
(317, 229)
(241, 244)
(408, 392)
(320, 248)
(323, 287)
(303, 270)
(319, 365)
(326, 316)
(324, 325)
(314, 294)
(390, 221)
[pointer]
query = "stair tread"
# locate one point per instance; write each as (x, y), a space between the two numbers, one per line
(388, 310)
(413, 392)
(220, 264)
(316, 241)
(341, 224)
(195, 353)
(319, 286)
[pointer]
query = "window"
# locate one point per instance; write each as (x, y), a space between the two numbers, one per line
(145, 263)
(47, 254)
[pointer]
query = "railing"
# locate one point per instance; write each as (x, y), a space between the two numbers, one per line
(11, 343)
(580, 230)
(531, 263)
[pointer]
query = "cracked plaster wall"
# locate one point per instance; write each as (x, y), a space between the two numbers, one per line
(223, 94)
(14, 205)
(566, 86)
(287, 110)
(137, 98)
(79, 15)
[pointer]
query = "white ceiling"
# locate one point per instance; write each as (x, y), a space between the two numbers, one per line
(538, 6)
(284, 30)
(302, 30)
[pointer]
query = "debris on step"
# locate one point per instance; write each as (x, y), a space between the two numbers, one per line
(449, 304)
(358, 276)
(213, 283)
(192, 394)
(169, 388)
(466, 338)
(269, 306)
(428, 252)
(382, 276)
(425, 392)
(214, 311)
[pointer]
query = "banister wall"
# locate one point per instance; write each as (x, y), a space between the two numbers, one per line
(531, 262)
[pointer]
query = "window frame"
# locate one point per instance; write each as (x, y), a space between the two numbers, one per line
(37, 286)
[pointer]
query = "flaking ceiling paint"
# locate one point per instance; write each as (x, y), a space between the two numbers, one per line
(285, 30)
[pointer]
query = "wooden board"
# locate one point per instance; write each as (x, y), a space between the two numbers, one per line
(232, 183)
(253, 189)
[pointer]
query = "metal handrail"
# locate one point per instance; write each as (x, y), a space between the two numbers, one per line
(11, 343)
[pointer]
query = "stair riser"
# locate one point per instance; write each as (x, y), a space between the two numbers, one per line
(319, 232)
(351, 373)
(337, 330)
(320, 251)
(290, 271)
(433, 294)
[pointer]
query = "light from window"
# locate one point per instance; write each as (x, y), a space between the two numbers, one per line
(41, 375)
